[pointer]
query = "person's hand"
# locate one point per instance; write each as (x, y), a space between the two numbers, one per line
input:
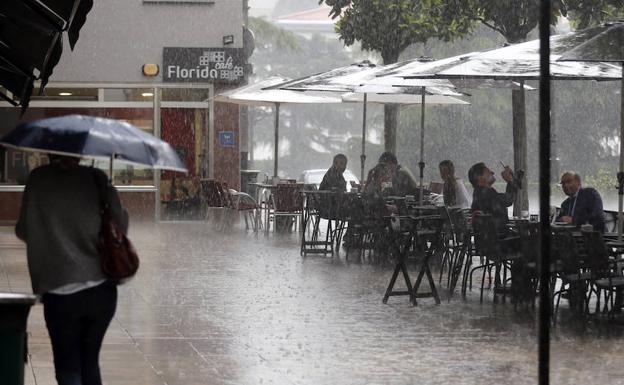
(507, 174)
(565, 219)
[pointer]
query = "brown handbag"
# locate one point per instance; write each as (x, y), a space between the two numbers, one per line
(119, 259)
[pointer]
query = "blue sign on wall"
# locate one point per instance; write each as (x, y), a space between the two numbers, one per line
(227, 139)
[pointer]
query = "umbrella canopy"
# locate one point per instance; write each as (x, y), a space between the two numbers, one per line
(31, 41)
(358, 79)
(261, 94)
(505, 66)
(356, 97)
(93, 137)
(604, 43)
(514, 62)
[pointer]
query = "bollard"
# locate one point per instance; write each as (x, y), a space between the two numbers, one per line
(14, 309)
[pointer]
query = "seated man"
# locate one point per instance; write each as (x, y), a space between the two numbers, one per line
(403, 182)
(333, 178)
(583, 205)
(486, 199)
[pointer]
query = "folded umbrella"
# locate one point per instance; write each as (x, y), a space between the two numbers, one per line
(96, 138)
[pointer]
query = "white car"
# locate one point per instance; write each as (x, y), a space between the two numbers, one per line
(314, 177)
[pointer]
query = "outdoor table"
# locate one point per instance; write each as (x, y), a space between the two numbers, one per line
(407, 231)
(260, 187)
(416, 209)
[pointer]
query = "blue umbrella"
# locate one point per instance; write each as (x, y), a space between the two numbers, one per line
(93, 137)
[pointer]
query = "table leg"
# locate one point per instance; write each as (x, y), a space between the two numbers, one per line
(400, 267)
(424, 270)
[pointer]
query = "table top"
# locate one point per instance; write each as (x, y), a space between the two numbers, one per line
(270, 185)
(262, 185)
(330, 192)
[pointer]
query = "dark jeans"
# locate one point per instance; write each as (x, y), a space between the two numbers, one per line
(77, 324)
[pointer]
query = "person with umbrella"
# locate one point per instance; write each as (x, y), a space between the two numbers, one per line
(60, 221)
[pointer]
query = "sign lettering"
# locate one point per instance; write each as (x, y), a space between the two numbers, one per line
(203, 65)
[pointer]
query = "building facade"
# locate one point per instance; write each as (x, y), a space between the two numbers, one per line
(156, 64)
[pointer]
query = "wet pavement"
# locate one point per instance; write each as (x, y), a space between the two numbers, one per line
(224, 307)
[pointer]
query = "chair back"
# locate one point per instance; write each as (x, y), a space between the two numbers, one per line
(597, 258)
(486, 237)
(447, 223)
(565, 250)
(460, 225)
(529, 233)
(215, 193)
(288, 197)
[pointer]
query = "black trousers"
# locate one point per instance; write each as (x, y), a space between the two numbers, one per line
(77, 323)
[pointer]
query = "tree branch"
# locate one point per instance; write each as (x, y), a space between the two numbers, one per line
(484, 22)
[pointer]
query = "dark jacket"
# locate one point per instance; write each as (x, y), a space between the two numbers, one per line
(333, 180)
(60, 222)
(488, 201)
(586, 207)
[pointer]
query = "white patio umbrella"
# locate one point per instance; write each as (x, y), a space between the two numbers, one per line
(351, 81)
(257, 95)
(502, 67)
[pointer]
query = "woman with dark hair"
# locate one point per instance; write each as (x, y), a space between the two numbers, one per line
(454, 191)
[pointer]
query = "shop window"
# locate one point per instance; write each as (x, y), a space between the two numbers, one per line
(128, 95)
(16, 165)
(66, 94)
(185, 94)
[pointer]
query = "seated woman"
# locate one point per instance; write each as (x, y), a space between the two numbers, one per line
(454, 192)
(379, 179)
(378, 185)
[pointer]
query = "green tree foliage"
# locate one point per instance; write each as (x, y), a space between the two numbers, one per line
(390, 26)
(585, 13)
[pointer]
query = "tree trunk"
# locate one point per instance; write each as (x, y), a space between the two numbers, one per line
(520, 148)
(391, 111)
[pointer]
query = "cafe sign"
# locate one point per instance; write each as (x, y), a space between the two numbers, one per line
(203, 65)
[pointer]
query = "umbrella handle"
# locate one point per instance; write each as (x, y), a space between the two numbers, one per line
(110, 169)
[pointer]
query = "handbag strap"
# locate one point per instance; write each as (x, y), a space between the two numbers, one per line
(102, 190)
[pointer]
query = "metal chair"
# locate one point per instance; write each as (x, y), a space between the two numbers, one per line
(246, 205)
(215, 198)
(605, 274)
(287, 203)
(498, 253)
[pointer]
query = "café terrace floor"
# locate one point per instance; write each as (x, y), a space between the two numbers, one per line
(213, 306)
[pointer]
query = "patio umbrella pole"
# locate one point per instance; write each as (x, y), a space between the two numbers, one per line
(421, 164)
(363, 155)
(276, 150)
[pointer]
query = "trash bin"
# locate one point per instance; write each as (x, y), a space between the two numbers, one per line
(14, 309)
(248, 176)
